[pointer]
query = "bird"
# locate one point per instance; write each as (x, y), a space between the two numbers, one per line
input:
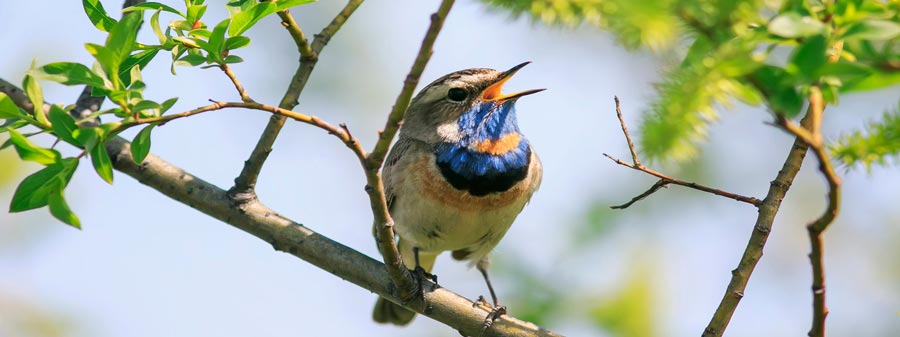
(458, 176)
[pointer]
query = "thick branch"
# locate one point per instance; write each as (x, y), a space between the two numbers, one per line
(384, 225)
(290, 237)
(245, 182)
(295, 239)
(663, 179)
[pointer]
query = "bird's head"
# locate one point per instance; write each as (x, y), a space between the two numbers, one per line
(465, 107)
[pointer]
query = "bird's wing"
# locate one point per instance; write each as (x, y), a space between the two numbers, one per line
(398, 157)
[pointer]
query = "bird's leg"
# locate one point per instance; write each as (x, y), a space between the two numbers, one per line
(420, 272)
(498, 310)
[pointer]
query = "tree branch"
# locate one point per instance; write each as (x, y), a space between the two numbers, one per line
(663, 179)
(768, 208)
(237, 84)
(290, 237)
(384, 225)
(245, 182)
(813, 137)
(293, 238)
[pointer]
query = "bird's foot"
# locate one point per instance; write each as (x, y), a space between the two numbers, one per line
(422, 275)
(495, 313)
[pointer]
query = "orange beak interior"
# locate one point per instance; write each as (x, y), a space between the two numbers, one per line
(493, 91)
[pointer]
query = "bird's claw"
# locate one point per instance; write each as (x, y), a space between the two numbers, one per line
(421, 276)
(495, 313)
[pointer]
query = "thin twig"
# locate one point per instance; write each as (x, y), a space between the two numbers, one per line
(384, 230)
(634, 156)
(245, 182)
(656, 186)
(303, 47)
(816, 228)
(740, 276)
(237, 84)
(664, 179)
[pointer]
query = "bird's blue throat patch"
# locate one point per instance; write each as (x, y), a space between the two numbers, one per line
(491, 155)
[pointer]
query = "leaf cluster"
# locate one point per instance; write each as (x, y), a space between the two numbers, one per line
(116, 75)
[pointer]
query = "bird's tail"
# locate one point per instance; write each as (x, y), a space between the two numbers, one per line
(389, 312)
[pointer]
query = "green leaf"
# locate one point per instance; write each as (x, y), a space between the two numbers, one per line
(243, 20)
(167, 104)
(793, 25)
(238, 6)
(878, 30)
(285, 4)
(140, 147)
(101, 162)
(874, 144)
(807, 59)
(154, 24)
(31, 151)
(122, 36)
(36, 95)
(11, 124)
(34, 191)
(108, 61)
(88, 137)
(69, 73)
(152, 6)
(58, 206)
(95, 12)
(233, 59)
(194, 13)
(63, 125)
(140, 59)
(217, 40)
(8, 108)
(236, 42)
(876, 80)
(778, 86)
(191, 59)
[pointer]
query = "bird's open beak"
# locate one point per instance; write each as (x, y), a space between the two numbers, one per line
(492, 92)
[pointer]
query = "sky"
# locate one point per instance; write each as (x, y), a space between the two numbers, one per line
(144, 265)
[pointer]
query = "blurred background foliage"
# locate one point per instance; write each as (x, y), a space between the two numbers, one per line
(570, 263)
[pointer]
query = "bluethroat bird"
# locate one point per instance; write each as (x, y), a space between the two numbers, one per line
(458, 175)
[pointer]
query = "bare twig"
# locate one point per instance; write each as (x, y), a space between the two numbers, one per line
(237, 84)
(303, 47)
(813, 137)
(769, 207)
(634, 156)
(245, 182)
(656, 186)
(664, 179)
(740, 276)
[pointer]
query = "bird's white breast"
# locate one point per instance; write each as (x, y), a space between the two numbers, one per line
(436, 217)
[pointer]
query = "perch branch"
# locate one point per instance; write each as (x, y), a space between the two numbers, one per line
(295, 239)
(664, 180)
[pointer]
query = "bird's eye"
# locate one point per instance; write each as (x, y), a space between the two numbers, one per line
(457, 94)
